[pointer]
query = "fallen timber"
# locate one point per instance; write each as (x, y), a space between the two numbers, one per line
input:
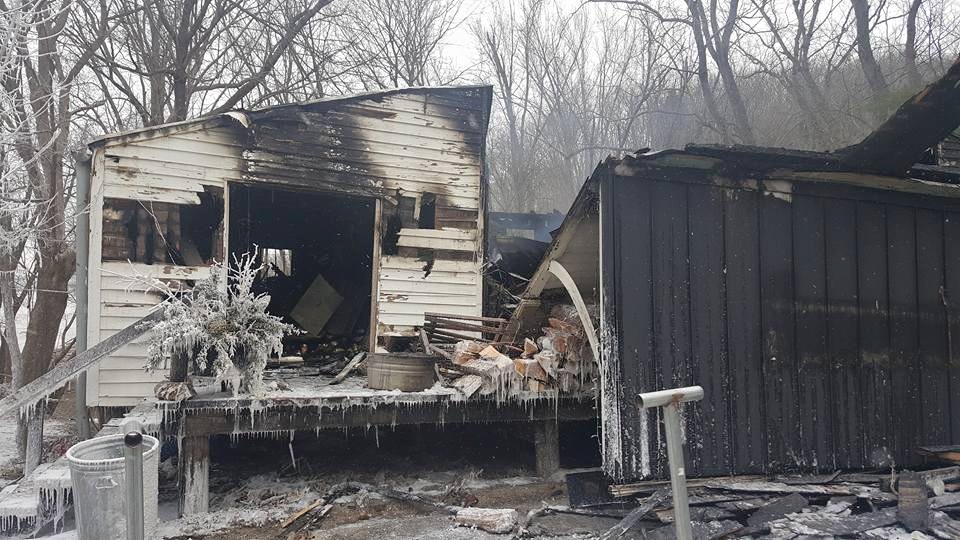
(43, 386)
(858, 504)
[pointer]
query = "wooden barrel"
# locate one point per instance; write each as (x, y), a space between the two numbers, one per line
(409, 372)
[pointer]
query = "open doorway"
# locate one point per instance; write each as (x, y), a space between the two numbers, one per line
(317, 248)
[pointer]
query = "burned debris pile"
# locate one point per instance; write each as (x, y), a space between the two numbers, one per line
(879, 505)
(558, 359)
(888, 504)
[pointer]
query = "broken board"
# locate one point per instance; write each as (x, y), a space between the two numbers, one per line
(316, 306)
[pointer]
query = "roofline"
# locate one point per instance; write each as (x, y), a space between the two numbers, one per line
(240, 116)
(370, 94)
(231, 117)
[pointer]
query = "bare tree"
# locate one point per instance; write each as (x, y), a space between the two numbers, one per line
(398, 42)
(910, 46)
(38, 73)
(171, 59)
(868, 62)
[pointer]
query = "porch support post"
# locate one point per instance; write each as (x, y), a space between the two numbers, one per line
(193, 479)
(546, 441)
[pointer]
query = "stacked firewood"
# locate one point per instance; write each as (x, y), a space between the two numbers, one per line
(559, 359)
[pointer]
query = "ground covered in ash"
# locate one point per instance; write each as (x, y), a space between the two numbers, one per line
(256, 484)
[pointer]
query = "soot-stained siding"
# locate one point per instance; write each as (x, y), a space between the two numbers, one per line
(819, 318)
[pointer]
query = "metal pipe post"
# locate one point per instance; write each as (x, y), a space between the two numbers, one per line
(678, 474)
(670, 401)
(82, 234)
(133, 475)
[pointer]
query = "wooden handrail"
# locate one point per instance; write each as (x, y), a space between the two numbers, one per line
(50, 381)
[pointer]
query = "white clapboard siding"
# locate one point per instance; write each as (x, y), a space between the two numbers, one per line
(439, 239)
(173, 167)
(142, 193)
(126, 297)
(406, 290)
(411, 143)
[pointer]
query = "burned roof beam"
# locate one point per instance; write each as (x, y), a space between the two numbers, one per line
(920, 123)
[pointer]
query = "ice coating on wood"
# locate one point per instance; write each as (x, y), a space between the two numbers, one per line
(314, 395)
(27, 397)
(222, 327)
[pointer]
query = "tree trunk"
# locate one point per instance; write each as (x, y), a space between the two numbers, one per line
(703, 75)
(732, 89)
(871, 69)
(42, 330)
(910, 48)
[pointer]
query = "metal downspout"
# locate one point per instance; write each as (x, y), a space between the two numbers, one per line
(82, 235)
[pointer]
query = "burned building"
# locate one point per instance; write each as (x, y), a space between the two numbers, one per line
(813, 295)
(366, 210)
(816, 306)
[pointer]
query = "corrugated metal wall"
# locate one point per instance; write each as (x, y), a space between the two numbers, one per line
(820, 321)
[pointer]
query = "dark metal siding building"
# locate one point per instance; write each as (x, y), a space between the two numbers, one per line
(817, 308)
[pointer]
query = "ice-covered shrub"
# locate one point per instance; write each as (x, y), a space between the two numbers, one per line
(220, 326)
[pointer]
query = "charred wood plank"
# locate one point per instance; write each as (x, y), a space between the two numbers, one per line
(637, 514)
(701, 530)
(834, 524)
(777, 509)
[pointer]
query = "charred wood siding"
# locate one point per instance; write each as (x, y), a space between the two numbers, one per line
(399, 145)
(819, 319)
(415, 141)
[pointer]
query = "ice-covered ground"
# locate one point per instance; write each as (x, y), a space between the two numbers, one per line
(254, 486)
(58, 435)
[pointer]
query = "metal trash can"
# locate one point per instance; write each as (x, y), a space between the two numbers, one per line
(96, 472)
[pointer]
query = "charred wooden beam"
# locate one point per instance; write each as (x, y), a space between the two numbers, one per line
(288, 415)
(920, 123)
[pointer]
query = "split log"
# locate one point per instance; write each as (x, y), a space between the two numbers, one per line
(529, 368)
(492, 520)
(468, 385)
(174, 391)
(529, 348)
(465, 351)
(549, 361)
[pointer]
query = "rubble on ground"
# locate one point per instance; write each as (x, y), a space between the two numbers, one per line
(885, 505)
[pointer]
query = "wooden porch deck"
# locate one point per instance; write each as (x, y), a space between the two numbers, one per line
(312, 404)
